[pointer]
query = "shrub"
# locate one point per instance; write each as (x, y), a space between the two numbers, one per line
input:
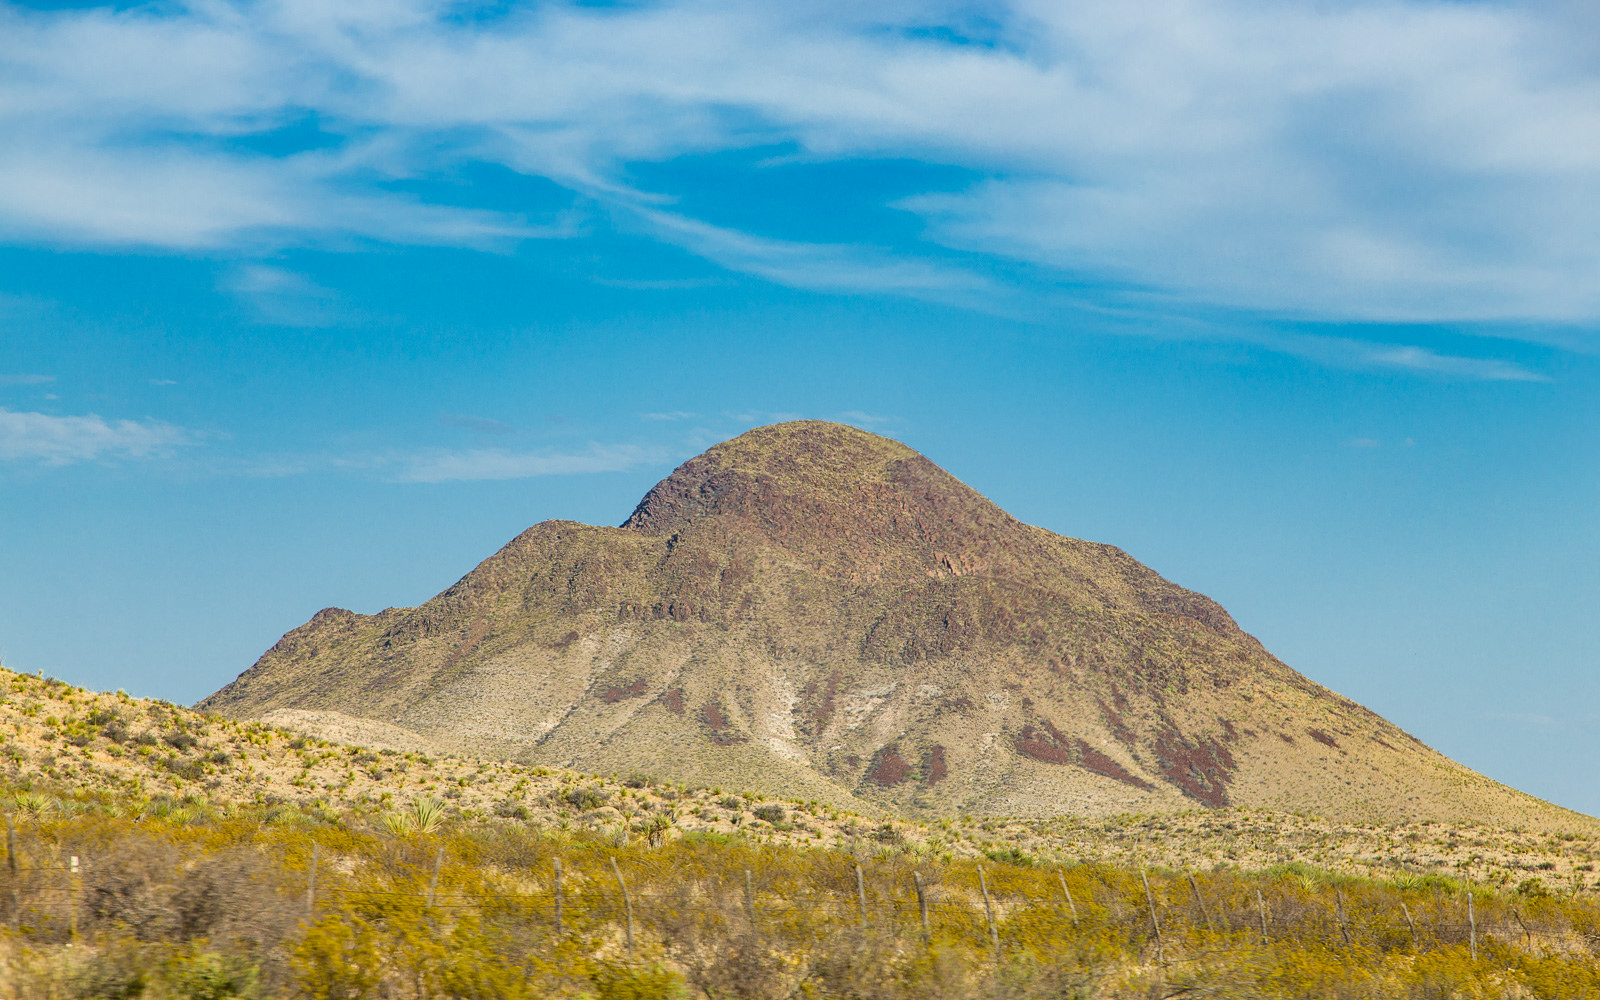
(652, 982)
(1012, 855)
(585, 798)
(210, 976)
(339, 959)
(772, 814)
(102, 716)
(189, 770)
(511, 809)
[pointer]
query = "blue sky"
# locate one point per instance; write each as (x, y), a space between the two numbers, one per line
(306, 304)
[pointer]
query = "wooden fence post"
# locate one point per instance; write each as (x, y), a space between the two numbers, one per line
(861, 896)
(627, 901)
(11, 862)
(922, 899)
(560, 929)
(750, 901)
(433, 882)
(988, 912)
(311, 882)
(1200, 902)
(1472, 926)
(1344, 931)
(1150, 900)
(1409, 923)
(75, 893)
(1261, 904)
(1071, 906)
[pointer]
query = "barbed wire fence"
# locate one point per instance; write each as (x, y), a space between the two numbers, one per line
(58, 891)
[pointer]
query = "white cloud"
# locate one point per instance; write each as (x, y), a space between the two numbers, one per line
(1343, 352)
(1421, 359)
(659, 284)
(824, 267)
(1369, 159)
(283, 298)
(54, 440)
(494, 463)
(197, 200)
(477, 425)
(866, 421)
(1537, 720)
(26, 379)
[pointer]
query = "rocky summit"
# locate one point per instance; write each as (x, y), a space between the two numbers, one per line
(819, 612)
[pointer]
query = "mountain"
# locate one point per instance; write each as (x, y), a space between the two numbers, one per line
(820, 612)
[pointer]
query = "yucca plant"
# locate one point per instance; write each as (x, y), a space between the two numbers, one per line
(427, 814)
(422, 817)
(33, 805)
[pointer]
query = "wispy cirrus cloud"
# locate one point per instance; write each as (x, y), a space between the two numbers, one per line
(866, 421)
(477, 425)
(496, 463)
(1416, 160)
(64, 440)
(281, 297)
(1344, 352)
(821, 266)
(1539, 720)
(1421, 359)
(7, 380)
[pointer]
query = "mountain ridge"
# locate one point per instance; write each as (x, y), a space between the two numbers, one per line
(813, 610)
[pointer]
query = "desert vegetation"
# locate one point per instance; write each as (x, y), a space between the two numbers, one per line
(181, 898)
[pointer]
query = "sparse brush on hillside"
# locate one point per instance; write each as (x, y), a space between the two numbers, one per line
(129, 748)
(193, 901)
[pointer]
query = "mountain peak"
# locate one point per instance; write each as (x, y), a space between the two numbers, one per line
(817, 611)
(845, 502)
(805, 461)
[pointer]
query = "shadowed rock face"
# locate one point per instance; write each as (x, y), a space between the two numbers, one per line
(816, 611)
